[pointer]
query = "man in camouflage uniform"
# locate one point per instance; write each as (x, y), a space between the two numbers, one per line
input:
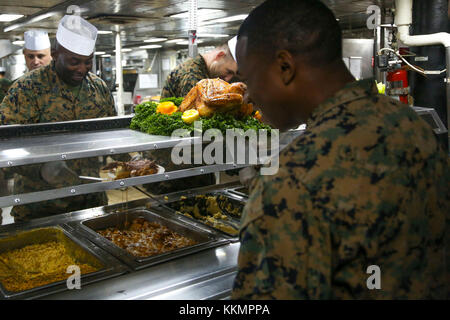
(365, 185)
(218, 63)
(64, 90)
(4, 84)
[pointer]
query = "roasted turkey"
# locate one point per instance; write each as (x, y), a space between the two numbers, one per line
(215, 95)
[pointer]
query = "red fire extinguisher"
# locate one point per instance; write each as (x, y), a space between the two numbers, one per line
(398, 80)
(399, 86)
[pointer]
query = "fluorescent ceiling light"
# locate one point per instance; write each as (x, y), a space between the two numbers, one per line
(32, 20)
(104, 32)
(106, 56)
(10, 17)
(186, 42)
(155, 40)
(125, 50)
(174, 40)
(99, 53)
(201, 12)
(227, 19)
(212, 35)
(19, 42)
(151, 46)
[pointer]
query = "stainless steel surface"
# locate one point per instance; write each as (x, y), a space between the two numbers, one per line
(438, 126)
(89, 227)
(360, 48)
(208, 274)
(204, 275)
(67, 146)
(82, 250)
(39, 149)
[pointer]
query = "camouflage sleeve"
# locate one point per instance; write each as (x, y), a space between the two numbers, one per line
(110, 108)
(167, 91)
(270, 233)
(19, 105)
(188, 81)
(179, 84)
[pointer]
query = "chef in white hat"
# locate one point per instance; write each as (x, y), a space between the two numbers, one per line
(36, 50)
(64, 90)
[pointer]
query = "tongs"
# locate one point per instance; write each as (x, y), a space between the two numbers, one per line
(162, 204)
(92, 178)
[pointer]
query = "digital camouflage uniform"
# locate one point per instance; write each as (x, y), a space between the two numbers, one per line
(366, 184)
(2, 187)
(178, 84)
(4, 86)
(184, 77)
(41, 96)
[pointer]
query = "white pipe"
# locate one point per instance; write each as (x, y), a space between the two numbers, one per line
(119, 76)
(403, 19)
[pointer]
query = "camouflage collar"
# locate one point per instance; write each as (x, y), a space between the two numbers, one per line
(350, 92)
(202, 64)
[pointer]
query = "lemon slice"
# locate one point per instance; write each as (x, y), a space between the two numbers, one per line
(190, 116)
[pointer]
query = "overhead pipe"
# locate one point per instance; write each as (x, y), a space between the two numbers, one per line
(403, 20)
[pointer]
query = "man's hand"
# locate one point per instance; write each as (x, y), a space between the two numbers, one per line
(3, 186)
(246, 175)
(57, 173)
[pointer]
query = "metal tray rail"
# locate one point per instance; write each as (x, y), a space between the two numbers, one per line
(64, 192)
(83, 250)
(88, 228)
(239, 191)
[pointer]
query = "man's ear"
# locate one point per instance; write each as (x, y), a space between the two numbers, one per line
(286, 66)
(220, 55)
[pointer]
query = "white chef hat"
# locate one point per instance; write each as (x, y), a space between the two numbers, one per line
(232, 45)
(2, 69)
(76, 35)
(36, 40)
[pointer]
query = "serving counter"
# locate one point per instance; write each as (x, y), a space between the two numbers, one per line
(203, 272)
(204, 269)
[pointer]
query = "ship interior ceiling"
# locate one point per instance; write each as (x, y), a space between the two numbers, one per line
(138, 20)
